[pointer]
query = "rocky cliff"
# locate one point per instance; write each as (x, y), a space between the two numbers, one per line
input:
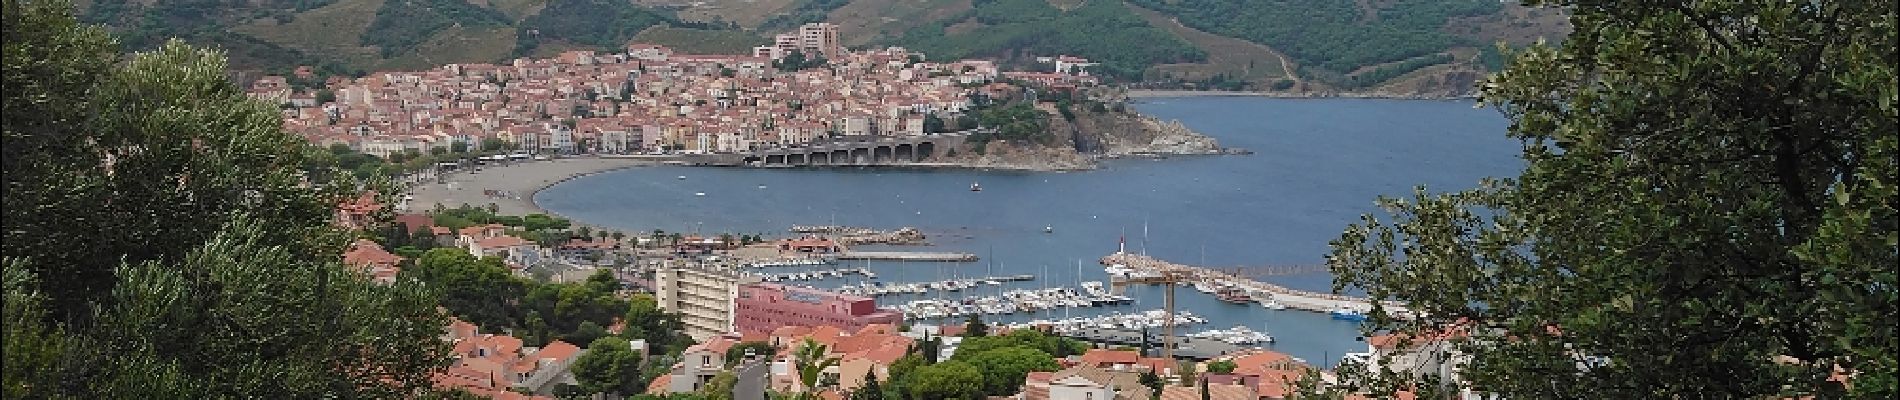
(1077, 143)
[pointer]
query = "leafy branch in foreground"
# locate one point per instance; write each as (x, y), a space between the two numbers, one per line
(1707, 211)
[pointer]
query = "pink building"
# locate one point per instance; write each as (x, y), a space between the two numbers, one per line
(764, 307)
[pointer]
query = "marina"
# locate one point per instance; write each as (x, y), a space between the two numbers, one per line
(874, 289)
(1244, 210)
(814, 275)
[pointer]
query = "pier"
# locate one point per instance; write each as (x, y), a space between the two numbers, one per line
(906, 256)
(953, 285)
(1126, 268)
(818, 275)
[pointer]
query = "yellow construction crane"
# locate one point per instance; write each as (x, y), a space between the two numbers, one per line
(1170, 275)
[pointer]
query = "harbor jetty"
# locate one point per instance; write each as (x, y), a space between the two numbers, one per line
(1128, 268)
(906, 256)
(851, 235)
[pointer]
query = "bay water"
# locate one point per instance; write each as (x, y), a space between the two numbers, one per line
(1318, 164)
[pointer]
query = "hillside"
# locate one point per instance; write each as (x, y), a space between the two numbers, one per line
(354, 36)
(1408, 46)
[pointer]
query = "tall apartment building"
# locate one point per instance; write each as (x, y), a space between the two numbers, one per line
(812, 40)
(764, 307)
(702, 294)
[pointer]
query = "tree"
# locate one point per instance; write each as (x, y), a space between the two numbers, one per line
(458, 147)
(1188, 371)
(811, 360)
(720, 387)
(1221, 367)
(325, 96)
(738, 352)
(870, 391)
(946, 380)
(1707, 211)
(609, 366)
(1152, 381)
(481, 291)
(1003, 369)
(973, 327)
(158, 242)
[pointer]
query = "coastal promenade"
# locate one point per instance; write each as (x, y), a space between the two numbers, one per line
(1143, 265)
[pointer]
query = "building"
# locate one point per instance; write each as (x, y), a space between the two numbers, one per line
(702, 294)
(764, 307)
(378, 264)
(497, 365)
(1085, 383)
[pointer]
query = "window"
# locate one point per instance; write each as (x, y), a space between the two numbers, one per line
(705, 360)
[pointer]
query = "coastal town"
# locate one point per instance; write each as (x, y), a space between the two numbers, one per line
(721, 289)
(803, 87)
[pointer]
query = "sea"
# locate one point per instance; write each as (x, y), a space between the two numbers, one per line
(1317, 166)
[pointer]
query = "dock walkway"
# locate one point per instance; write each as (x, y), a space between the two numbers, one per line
(906, 256)
(1292, 298)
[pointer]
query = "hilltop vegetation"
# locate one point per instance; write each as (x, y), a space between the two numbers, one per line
(1013, 30)
(1333, 38)
(1262, 44)
(402, 24)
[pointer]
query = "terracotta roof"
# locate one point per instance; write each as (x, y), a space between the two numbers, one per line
(1103, 357)
(1214, 390)
(659, 384)
(365, 252)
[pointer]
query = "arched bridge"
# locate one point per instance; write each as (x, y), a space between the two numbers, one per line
(858, 151)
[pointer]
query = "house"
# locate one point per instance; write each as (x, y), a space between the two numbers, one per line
(497, 365)
(1215, 391)
(698, 364)
(514, 249)
(358, 213)
(581, 249)
(378, 264)
(1117, 360)
(809, 245)
(1090, 383)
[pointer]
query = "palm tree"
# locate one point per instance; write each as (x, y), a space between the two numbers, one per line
(812, 362)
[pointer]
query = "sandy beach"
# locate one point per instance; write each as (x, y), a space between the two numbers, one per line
(511, 187)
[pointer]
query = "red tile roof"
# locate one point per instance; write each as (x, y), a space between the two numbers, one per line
(1106, 357)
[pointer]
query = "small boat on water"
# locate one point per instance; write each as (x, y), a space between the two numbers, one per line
(1049, 229)
(975, 187)
(1233, 295)
(699, 193)
(682, 177)
(1348, 314)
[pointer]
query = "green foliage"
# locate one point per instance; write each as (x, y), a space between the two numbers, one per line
(1018, 121)
(720, 386)
(811, 361)
(737, 352)
(1003, 369)
(609, 366)
(481, 291)
(946, 380)
(1055, 346)
(663, 331)
(1332, 36)
(400, 25)
(1221, 367)
(599, 23)
(134, 160)
(1102, 31)
(797, 61)
(871, 389)
(974, 327)
(1707, 212)
(807, 11)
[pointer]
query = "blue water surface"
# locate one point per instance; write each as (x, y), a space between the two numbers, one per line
(1318, 165)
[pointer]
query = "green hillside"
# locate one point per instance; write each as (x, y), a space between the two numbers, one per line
(1260, 43)
(354, 36)
(1017, 30)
